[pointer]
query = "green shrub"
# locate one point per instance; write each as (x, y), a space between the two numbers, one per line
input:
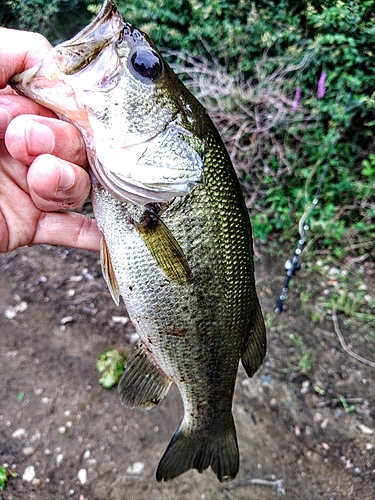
(58, 20)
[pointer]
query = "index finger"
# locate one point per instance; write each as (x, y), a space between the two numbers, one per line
(20, 50)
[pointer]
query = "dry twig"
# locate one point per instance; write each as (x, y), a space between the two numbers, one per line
(256, 482)
(343, 343)
(251, 115)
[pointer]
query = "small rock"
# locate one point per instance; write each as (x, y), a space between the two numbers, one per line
(134, 337)
(66, 319)
(82, 476)
(36, 481)
(123, 320)
(333, 270)
(365, 430)
(86, 455)
(11, 312)
(19, 434)
(305, 387)
(136, 468)
(266, 379)
(36, 436)
(76, 278)
(324, 423)
(338, 413)
(29, 450)
(59, 458)
(29, 473)
(62, 429)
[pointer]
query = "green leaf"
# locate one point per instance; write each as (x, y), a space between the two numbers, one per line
(111, 365)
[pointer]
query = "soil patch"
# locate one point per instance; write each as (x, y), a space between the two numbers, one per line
(297, 440)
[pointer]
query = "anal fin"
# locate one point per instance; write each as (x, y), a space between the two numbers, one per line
(108, 271)
(256, 347)
(143, 384)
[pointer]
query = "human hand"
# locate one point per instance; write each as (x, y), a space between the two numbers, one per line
(42, 161)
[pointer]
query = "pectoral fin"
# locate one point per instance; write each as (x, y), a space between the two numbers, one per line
(256, 346)
(143, 384)
(108, 271)
(164, 248)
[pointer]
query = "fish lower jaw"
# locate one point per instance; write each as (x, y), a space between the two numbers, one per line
(128, 190)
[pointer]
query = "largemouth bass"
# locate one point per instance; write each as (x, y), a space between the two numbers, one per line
(176, 242)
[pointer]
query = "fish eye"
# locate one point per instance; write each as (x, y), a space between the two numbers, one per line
(147, 64)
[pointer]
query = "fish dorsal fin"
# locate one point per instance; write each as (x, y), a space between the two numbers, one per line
(256, 346)
(143, 384)
(164, 248)
(108, 271)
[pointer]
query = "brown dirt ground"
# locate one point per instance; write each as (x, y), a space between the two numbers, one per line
(65, 421)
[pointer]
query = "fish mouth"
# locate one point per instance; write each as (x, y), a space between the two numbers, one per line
(98, 28)
(153, 166)
(74, 55)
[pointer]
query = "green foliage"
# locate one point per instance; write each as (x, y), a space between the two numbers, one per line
(57, 20)
(3, 478)
(348, 408)
(111, 365)
(233, 31)
(20, 396)
(5, 473)
(350, 296)
(304, 360)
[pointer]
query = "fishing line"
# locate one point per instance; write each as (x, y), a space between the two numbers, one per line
(291, 266)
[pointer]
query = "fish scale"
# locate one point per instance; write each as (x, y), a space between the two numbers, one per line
(176, 236)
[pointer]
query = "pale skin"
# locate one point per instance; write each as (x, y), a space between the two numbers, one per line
(42, 161)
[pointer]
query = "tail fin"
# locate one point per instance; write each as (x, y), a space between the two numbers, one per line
(199, 451)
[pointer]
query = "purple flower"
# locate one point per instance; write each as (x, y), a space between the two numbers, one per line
(297, 98)
(321, 85)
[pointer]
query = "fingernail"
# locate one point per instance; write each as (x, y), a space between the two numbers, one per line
(67, 177)
(4, 120)
(39, 138)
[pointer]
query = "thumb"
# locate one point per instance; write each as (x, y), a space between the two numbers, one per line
(57, 184)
